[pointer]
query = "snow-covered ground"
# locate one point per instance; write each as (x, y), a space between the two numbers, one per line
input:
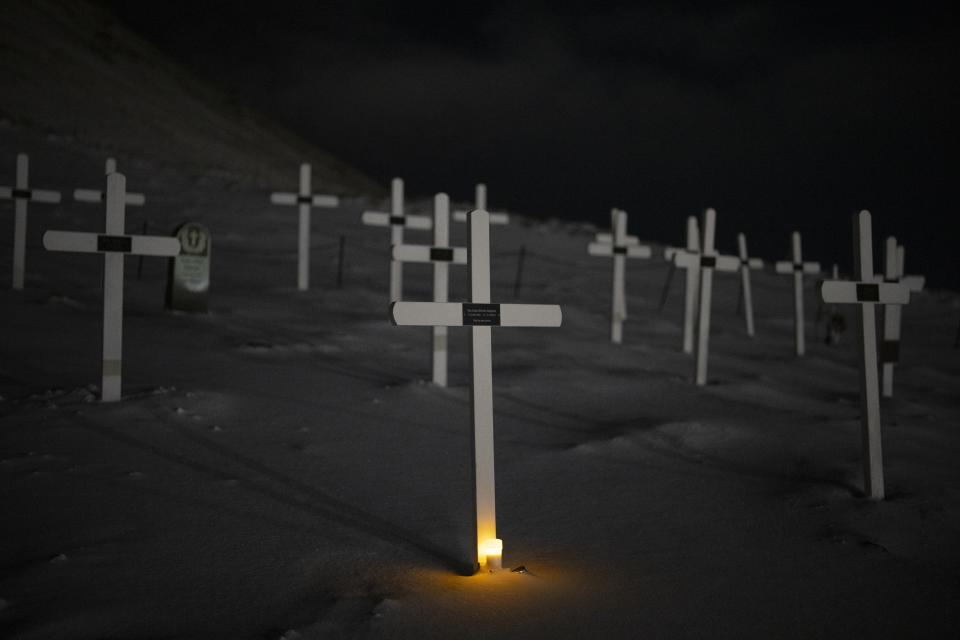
(280, 467)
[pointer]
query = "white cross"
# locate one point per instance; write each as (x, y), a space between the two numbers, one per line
(441, 255)
(21, 194)
(113, 244)
(890, 346)
(304, 199)
(867, 293)
(480, 202)
(480, 315)
(798, 267)
(396, 220)
(95, 195)
(607, 238)
(705, 262)
(620, 248)
(746, 265)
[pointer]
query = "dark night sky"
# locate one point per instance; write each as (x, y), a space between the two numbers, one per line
(780, 117)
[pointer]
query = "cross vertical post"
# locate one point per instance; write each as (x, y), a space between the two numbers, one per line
(441, 285)
(396, 237)
(891, 320)
(707, 264)
(303, 235)
(746, 264)
(480, 197)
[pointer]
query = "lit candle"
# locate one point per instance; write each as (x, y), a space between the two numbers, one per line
(491, 554)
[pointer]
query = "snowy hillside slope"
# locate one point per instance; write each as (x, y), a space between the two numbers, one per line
(69, 69)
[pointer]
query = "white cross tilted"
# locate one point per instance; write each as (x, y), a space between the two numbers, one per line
(396, 220)
(798, 267)
(746, 265)
(113, 244)
(441, 255)
(304, 199)
(693, 279)
(95, 195)
(481, 316)
(480, 202)
(890, 346)
(620, 248)
(21, 194)
(705, 261)
(867, 293)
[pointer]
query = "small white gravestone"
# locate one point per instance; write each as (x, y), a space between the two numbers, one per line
(867, 293)
(396, 220)
(620, 249)
(95, 195)
(692, 287)
(890, 346)
(747, 264)
(442, 255)
(798, 267)
(481, 316)
(188, 285)
(304, 199)
(480, 202)
(113, 244)
(21, 194)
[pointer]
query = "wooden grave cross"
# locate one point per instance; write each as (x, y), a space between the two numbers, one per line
(894, 255)
(442, 255)
(707, 260)
(21, 194)
(95, 195)
(481, 316)
(397, 221)
(747, 264)
(867, 293)
(113, 244)
(480, 202)
(798, 267)
(304, 199)
(620, 248)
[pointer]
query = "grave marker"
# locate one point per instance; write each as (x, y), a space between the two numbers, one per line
(798, 267)
(95, 195)
(442, 256)
(867, 293)
(188, 287)
(890, 346)
(397, 221)
(480, 202)
(304, 199)
(706, 261)
(481, 316)
(747, 264)
(691, 289)
(620, 250)
(113, 244)
(21, 194)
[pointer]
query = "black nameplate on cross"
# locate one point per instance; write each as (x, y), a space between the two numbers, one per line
(620, 250)
(798, 266)
(481, 315)
(22, 193)
(305, 199)
(114, 244)
(868, 293)
(708, 261)
(397, 220)
(890, 351)
(441, 254)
